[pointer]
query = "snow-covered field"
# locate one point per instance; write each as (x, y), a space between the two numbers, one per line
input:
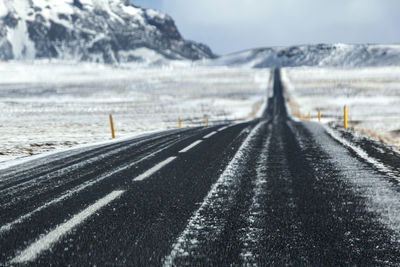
(47, 106)
(372, 96)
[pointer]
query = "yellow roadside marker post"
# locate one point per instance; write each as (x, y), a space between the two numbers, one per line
(112, 126)
(179, 122)
(345, 117)
(319, 115)
(206, 121)
(309, 116)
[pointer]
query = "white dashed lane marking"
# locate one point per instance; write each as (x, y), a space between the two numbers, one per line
(223, 128)
(186, 149)
(154, 169)
(209, 135)
(45, 242)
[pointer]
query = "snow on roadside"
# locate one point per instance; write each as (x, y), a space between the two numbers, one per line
(381, 196)
(48, 105)
(371, 94)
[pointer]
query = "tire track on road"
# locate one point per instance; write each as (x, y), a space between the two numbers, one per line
(199, 243)
(152, 212)
(77, 173)
(69, 163)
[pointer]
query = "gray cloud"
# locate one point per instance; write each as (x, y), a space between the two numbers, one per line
(232, 25)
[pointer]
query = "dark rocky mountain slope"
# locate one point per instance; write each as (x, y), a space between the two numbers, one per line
(109, 31)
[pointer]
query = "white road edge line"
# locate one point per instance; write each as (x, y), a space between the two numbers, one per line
(223, 128)
(209, 135)
(45, 242)
(186, 149)
(154, 169)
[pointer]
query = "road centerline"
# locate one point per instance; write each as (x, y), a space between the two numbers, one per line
(45, 242)
(186, 149)
(209, 135)
(222, 128)
(154, 169)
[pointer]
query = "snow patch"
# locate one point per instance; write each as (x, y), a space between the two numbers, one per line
(151, 13)
(23, 47)
(146, 55)
(3, 9)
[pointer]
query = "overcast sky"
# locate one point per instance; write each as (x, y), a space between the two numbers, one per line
(234, 25)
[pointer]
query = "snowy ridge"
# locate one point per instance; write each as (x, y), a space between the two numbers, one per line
(108, 31)
(334, 55)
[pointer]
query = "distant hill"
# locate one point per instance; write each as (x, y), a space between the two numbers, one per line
(109, 31)
(335, 55)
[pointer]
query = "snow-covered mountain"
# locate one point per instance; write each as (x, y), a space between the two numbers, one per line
(107, 31)
(335, 55)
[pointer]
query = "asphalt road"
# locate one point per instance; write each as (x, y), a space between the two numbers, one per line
(272, 191)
